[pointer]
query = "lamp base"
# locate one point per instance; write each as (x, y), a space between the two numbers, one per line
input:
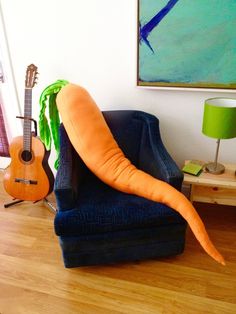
(215, 168)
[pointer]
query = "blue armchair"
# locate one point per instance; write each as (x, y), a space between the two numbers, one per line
(99, 225)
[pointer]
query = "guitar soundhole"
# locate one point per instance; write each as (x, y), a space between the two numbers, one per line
(26, 155)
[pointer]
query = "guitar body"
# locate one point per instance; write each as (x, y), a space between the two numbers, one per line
(28, 177)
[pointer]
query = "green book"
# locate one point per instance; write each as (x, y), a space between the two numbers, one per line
(192, 168)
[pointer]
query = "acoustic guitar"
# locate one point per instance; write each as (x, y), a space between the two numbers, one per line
(28, 177)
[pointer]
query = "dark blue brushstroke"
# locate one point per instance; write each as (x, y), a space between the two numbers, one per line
(159, 80)
(148, 27)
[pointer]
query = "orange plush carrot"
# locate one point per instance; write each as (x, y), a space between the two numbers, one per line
(94, 142)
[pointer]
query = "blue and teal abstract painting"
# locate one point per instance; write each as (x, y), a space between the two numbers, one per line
(187, 43)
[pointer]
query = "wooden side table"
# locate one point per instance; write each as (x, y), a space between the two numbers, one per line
(210, 188)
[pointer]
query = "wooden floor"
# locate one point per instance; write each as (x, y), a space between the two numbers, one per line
(34, 280)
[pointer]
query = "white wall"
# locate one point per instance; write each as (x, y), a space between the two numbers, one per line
(93, 43)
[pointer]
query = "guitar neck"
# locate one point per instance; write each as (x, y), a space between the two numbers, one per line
(27, 123)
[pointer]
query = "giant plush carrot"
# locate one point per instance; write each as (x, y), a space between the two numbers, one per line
(94, 142)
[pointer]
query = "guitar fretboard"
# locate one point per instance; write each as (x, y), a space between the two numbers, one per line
(27, 123)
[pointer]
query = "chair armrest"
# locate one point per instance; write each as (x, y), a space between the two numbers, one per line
(65, 186)
(154, 158)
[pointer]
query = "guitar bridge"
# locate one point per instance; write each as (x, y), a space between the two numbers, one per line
(25, 181)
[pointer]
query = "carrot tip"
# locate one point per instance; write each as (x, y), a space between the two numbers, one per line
(221, 260)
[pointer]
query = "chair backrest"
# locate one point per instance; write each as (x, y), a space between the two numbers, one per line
(130, 129)
(138, 135)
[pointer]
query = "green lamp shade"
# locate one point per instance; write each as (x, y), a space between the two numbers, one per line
(219, 120)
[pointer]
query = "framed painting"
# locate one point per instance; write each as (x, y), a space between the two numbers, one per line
(187, 44)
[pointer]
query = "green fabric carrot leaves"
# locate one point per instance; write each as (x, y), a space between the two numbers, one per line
(49, 95)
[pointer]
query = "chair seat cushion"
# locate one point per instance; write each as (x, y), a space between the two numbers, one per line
(101, 209)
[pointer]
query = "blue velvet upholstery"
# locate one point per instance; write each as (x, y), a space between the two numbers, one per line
(97, 224)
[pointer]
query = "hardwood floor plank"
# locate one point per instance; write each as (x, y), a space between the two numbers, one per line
(11, 238)
(66, 284)
(166, 276)
(14, 300)
(79, 285)
(25, 225)
(197, 259)
(38, 252)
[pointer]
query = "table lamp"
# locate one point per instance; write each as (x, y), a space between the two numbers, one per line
(219, 121)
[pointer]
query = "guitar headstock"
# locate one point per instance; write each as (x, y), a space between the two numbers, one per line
(31, 76)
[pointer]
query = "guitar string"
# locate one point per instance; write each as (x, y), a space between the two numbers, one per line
(27, 125)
